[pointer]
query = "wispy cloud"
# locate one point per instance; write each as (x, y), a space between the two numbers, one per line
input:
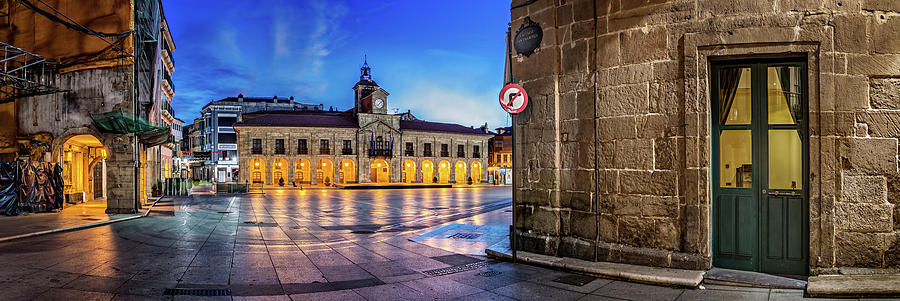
(441, 103)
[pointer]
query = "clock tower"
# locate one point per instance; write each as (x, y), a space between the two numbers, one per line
(369, 97)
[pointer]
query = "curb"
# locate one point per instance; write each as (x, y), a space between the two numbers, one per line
(854, 286)
(75, 228)
(636, 273)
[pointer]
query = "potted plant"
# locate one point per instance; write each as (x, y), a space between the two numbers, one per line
(469, 181)
(435, 180)
(281, 181)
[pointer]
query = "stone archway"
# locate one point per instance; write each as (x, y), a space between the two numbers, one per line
(380, 171)
(444, 172)
(427, 172)
(348, 171)
(475, 173)
(78, 156)
(325, 172)
(279, 171)
(409, 171)
(460, 173)
(301, 172)
(257, 171)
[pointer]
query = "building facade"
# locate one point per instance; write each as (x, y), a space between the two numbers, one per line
(365, 144)
(91, 112)
(500, 154)
(217, 136)
(691, 134)
(160, 158)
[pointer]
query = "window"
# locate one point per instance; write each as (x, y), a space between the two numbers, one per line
(409, 149)
(224, 155)
(461, 151)
(227, 121)
(279, 146)
(379, 143)
(476, 151)
(427, 151)
(323, 147)
(227, 138)
(445, 150)
(347, 149)
(257, 146)
(301, 147)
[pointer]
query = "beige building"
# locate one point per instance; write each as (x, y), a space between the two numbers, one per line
(362, 145)
(753, 135)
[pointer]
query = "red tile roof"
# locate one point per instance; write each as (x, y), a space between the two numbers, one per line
(307, 120)
(421, 125)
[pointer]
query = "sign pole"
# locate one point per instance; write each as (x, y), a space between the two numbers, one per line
(512, 227)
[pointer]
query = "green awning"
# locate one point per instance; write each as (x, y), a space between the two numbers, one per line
(120, 122)
(156, 137)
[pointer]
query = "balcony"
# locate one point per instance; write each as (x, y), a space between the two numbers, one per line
(302, 151)
(381, 152)
(409, 153)
(426, 153)
(476, 155)
(279, 151)
(256, 151)
(324, 151)
(445, 154)
(461, 154)
(346, 151)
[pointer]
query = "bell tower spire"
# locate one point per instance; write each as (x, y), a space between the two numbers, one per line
(365, 73)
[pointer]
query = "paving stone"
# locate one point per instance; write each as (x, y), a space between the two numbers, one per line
(70, 294)
(206, 275)
(96, 284)
(341, 295)
(255, 275)
(637, 291)
(442, 288)
(387, 269)
(390, 292)
(485, 295)
(712, 295)
(534, 291)
(299, 275)
(345, 272)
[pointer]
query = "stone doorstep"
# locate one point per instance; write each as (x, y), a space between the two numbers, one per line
(854, 286)
(636, 273)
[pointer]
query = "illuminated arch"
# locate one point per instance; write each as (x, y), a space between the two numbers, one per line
(279, 171)
(380, 171)
(348, 171)
(444, 172)
(301, 172)
(476, 172)
(257, 171)
(427, 172)
(325, 172)
(409, 171)
(460, 172)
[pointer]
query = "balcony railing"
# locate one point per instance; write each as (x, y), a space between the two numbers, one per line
(476, 155)
(256, 151)
(381, 152)
(346, 151)
(279, 151)
(409, 153)
(302, 151)
(461, 154)
(324, 151)
(445, 154)
(426, 153)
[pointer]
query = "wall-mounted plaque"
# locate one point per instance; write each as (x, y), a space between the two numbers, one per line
(528, 37)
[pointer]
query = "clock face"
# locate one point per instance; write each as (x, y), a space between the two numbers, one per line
(379, 103)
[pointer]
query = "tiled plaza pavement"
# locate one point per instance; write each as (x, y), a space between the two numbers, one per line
(300, 246)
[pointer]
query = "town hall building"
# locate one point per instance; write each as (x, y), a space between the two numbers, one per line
(365, 144)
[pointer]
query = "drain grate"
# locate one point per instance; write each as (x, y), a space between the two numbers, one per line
(253, 222)
(299, 228)
(362, 232)
(576, 280)
(456, 269)
(438, 208)
(197, 292)
(223, 212)
(464, 235)
(490, 273)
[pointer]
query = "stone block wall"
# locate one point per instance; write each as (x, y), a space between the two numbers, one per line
(614, 151)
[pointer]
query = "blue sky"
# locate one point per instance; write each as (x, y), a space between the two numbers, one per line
(441, 59)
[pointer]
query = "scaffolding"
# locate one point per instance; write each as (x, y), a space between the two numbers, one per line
(24, 74)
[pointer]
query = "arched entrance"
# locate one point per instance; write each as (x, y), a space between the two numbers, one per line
(348, 171)
(279, 171)
(380, 171)
(325, 172)
(83, 162)
(409, 171)
(476, 172)
(257, 171)
(427, 172)
(301, 172)
(460, 172)
(444, 172)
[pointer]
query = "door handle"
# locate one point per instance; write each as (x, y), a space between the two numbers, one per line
(781, 193)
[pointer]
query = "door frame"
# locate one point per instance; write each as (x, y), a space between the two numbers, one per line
(759, 150)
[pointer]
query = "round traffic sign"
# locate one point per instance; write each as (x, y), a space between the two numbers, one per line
(513, 98)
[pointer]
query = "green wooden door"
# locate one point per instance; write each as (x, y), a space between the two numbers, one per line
(760, 164)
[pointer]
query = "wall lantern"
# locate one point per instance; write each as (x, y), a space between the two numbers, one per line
(379, 164)
(68, 156)
(256, 164)
(346, 164)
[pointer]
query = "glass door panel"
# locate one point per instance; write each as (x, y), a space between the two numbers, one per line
(784, 94)
(736, 158)
(734, 96)
(785, 160)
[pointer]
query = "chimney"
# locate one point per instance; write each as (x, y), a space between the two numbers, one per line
(292, 98)
(240, 97)
(275, 99)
